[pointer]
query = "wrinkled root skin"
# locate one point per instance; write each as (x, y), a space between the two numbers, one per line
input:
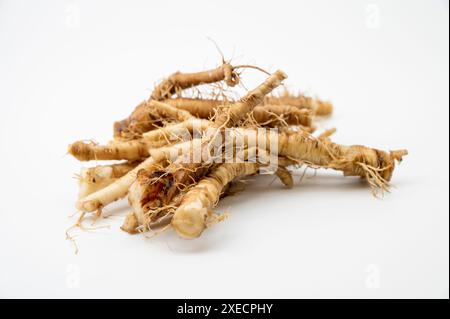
(142, 119)
(132, 151)
(153, 190)
(181, 81)
(319, 107)
(375, 165)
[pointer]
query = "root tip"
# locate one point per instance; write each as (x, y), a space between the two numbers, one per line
(398, 154)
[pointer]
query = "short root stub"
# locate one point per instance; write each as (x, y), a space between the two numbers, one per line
(398, 154)
(190, 220)
(285, 177)
(130, 224)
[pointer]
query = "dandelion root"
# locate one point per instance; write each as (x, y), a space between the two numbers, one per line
(183, 152)
(190, 219)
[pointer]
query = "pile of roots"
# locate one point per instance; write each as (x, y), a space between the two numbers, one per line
(181, 153)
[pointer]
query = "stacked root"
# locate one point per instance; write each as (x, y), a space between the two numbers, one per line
(180, 155)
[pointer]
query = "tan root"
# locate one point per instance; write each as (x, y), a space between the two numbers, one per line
(318, 106)
(181, 154)
(181, 81)
(191, 218)
(95, 178)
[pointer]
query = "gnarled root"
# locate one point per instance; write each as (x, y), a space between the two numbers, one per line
(153, 191)
(180, 81)
(236, 111)
(190, 219)
(201, 108)
(375, 165)
(143, 119)
(148, 116)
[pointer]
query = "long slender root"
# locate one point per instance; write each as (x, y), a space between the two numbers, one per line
(190, 219)
(375, 165)
(90, 151)
(178, 132)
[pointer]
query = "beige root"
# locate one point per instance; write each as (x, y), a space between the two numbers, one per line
(88, 151)
(154, 220)
(143, 120)
(327, 133)
(148, 116)
(283, 173)
(265, 115)
(273, 114)
(153, 191)
(130, 223)
(152, 194)
(206, 108)
(180, 81)
(118, 189)
(179, 182)
(191, 217)
(375, 165)
(236, 111)
(318, 106)
(146, 190)
(201, 108)
(175, 132)
(95, 178)
(301, 147)
(168, 111)
(149, 190)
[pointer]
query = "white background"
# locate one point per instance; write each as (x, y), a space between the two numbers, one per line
(68, 69)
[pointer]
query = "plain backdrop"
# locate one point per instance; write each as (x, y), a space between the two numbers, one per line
(69, 69)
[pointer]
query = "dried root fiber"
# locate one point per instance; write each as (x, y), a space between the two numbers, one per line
(167, 182)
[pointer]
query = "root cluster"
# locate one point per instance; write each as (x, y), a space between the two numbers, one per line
(179, 155)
